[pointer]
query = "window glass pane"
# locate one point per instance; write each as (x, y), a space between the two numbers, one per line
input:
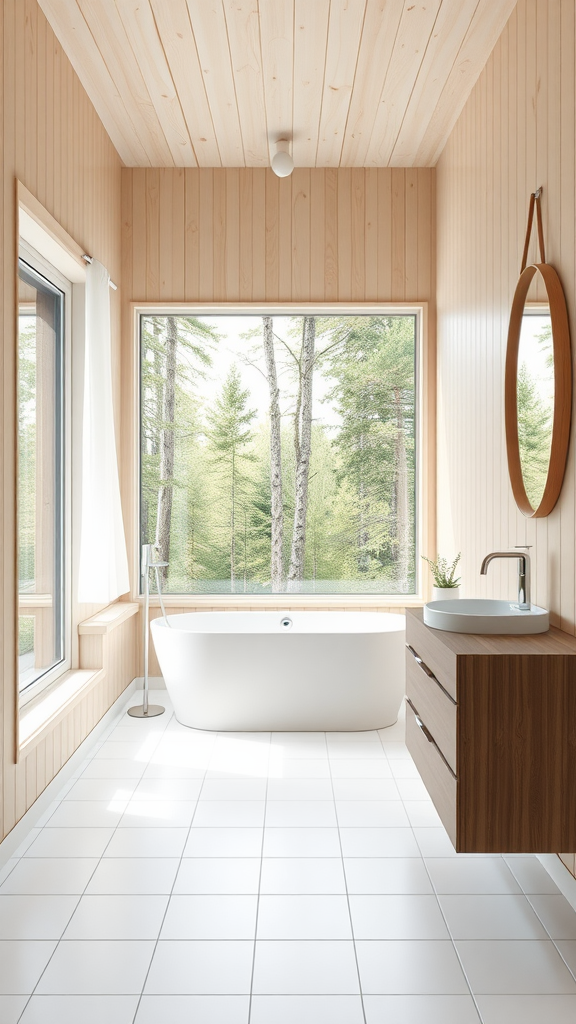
(278, 452)
(40, 476)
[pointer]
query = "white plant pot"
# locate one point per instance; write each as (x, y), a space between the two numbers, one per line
(445, 593)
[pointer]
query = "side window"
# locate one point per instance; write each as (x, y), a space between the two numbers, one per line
(41, 489)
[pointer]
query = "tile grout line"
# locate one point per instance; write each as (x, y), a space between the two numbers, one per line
(345, 882)
(98, 860)
(259, 882)
(171, 893)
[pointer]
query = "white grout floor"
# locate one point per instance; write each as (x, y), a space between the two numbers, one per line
(270, 879)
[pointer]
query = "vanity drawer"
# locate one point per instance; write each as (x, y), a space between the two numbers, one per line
(435, 705)
(436, 775)
(433, 651)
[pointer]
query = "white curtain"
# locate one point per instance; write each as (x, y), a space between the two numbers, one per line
(103, 568)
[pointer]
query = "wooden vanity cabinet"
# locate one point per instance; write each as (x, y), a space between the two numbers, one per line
(491, 725)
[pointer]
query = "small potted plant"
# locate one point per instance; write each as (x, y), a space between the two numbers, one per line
(445, 585)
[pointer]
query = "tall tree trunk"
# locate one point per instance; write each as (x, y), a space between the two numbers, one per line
(303, 432)
(277, 510)
(233, 527)
(401, 487)
(165, 491)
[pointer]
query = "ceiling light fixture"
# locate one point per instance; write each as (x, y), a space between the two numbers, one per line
(282, 162)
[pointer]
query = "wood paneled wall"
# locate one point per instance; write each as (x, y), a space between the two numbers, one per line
(516, 132)
(320, 235)
(55, 144)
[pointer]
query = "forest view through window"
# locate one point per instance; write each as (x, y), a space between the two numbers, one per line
(278, 452)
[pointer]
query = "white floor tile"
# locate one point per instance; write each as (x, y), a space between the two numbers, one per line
(229, 814)
(470, 877)
(218, 876)
(302, 768)
(404, 769)
(70, 842)
(305, 968)
(410, 968)
(422, 814)
(203, 968)
(158, 814)
(117, 917)
(27, 842)
(303, 917)
(193, 1010)
(397, 917)
(396, 750)
(361, 768)
(515, 968)
(87, 813)
(49, 876)
(224, 842)
(412, 789)
(426, 1009)
(116, 790)
(371, 814)
(378, 842)
(491, 917)
(367, 875)
(532, 1009)
(173, 771)
(8, 868)
(306, 1010)
(301, 842)
(434, 842)
(210, 917)
(113, 769)
(168, 789)
(234, 789)
(300, 813)
(300, 789)
(532, 876)
(21, 964)
(368, 736)
(125, 750)
(149, 876)
(92, 1009)
(97, 968)
(147, 842)
(302, 876)
(35, 917)
(341, 751)
(567, 948)
(365, 789)
(11, 1007)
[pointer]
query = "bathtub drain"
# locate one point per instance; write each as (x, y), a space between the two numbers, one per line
(286, 623)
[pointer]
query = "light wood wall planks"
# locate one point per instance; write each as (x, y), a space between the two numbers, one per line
(516, 132)
(244, 235)
(55, 144)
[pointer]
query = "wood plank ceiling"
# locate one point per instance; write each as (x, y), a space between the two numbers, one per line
(214, 83)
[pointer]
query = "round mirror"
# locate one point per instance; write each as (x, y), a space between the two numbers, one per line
(538, 390)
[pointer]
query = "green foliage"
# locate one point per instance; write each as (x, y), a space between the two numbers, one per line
(443, 571)
(534, 435)
(361, 499)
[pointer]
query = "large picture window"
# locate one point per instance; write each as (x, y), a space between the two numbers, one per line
(41, 476)
(278, 452)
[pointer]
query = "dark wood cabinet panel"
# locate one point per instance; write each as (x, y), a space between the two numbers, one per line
(514, 737)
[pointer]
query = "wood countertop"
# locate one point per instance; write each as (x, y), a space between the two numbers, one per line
(555, 641)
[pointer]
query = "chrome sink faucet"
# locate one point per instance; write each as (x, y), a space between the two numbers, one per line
(523, 574)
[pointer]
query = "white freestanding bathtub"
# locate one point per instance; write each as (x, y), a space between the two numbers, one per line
(269, 671)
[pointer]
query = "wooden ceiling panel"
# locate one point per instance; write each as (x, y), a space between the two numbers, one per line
(209, 83)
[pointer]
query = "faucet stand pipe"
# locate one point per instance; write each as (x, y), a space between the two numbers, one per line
(146, 710)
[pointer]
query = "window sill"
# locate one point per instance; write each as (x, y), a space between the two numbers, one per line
(286, 601)
(41, 716)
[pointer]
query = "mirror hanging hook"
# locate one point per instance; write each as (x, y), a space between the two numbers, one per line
(534, 202)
